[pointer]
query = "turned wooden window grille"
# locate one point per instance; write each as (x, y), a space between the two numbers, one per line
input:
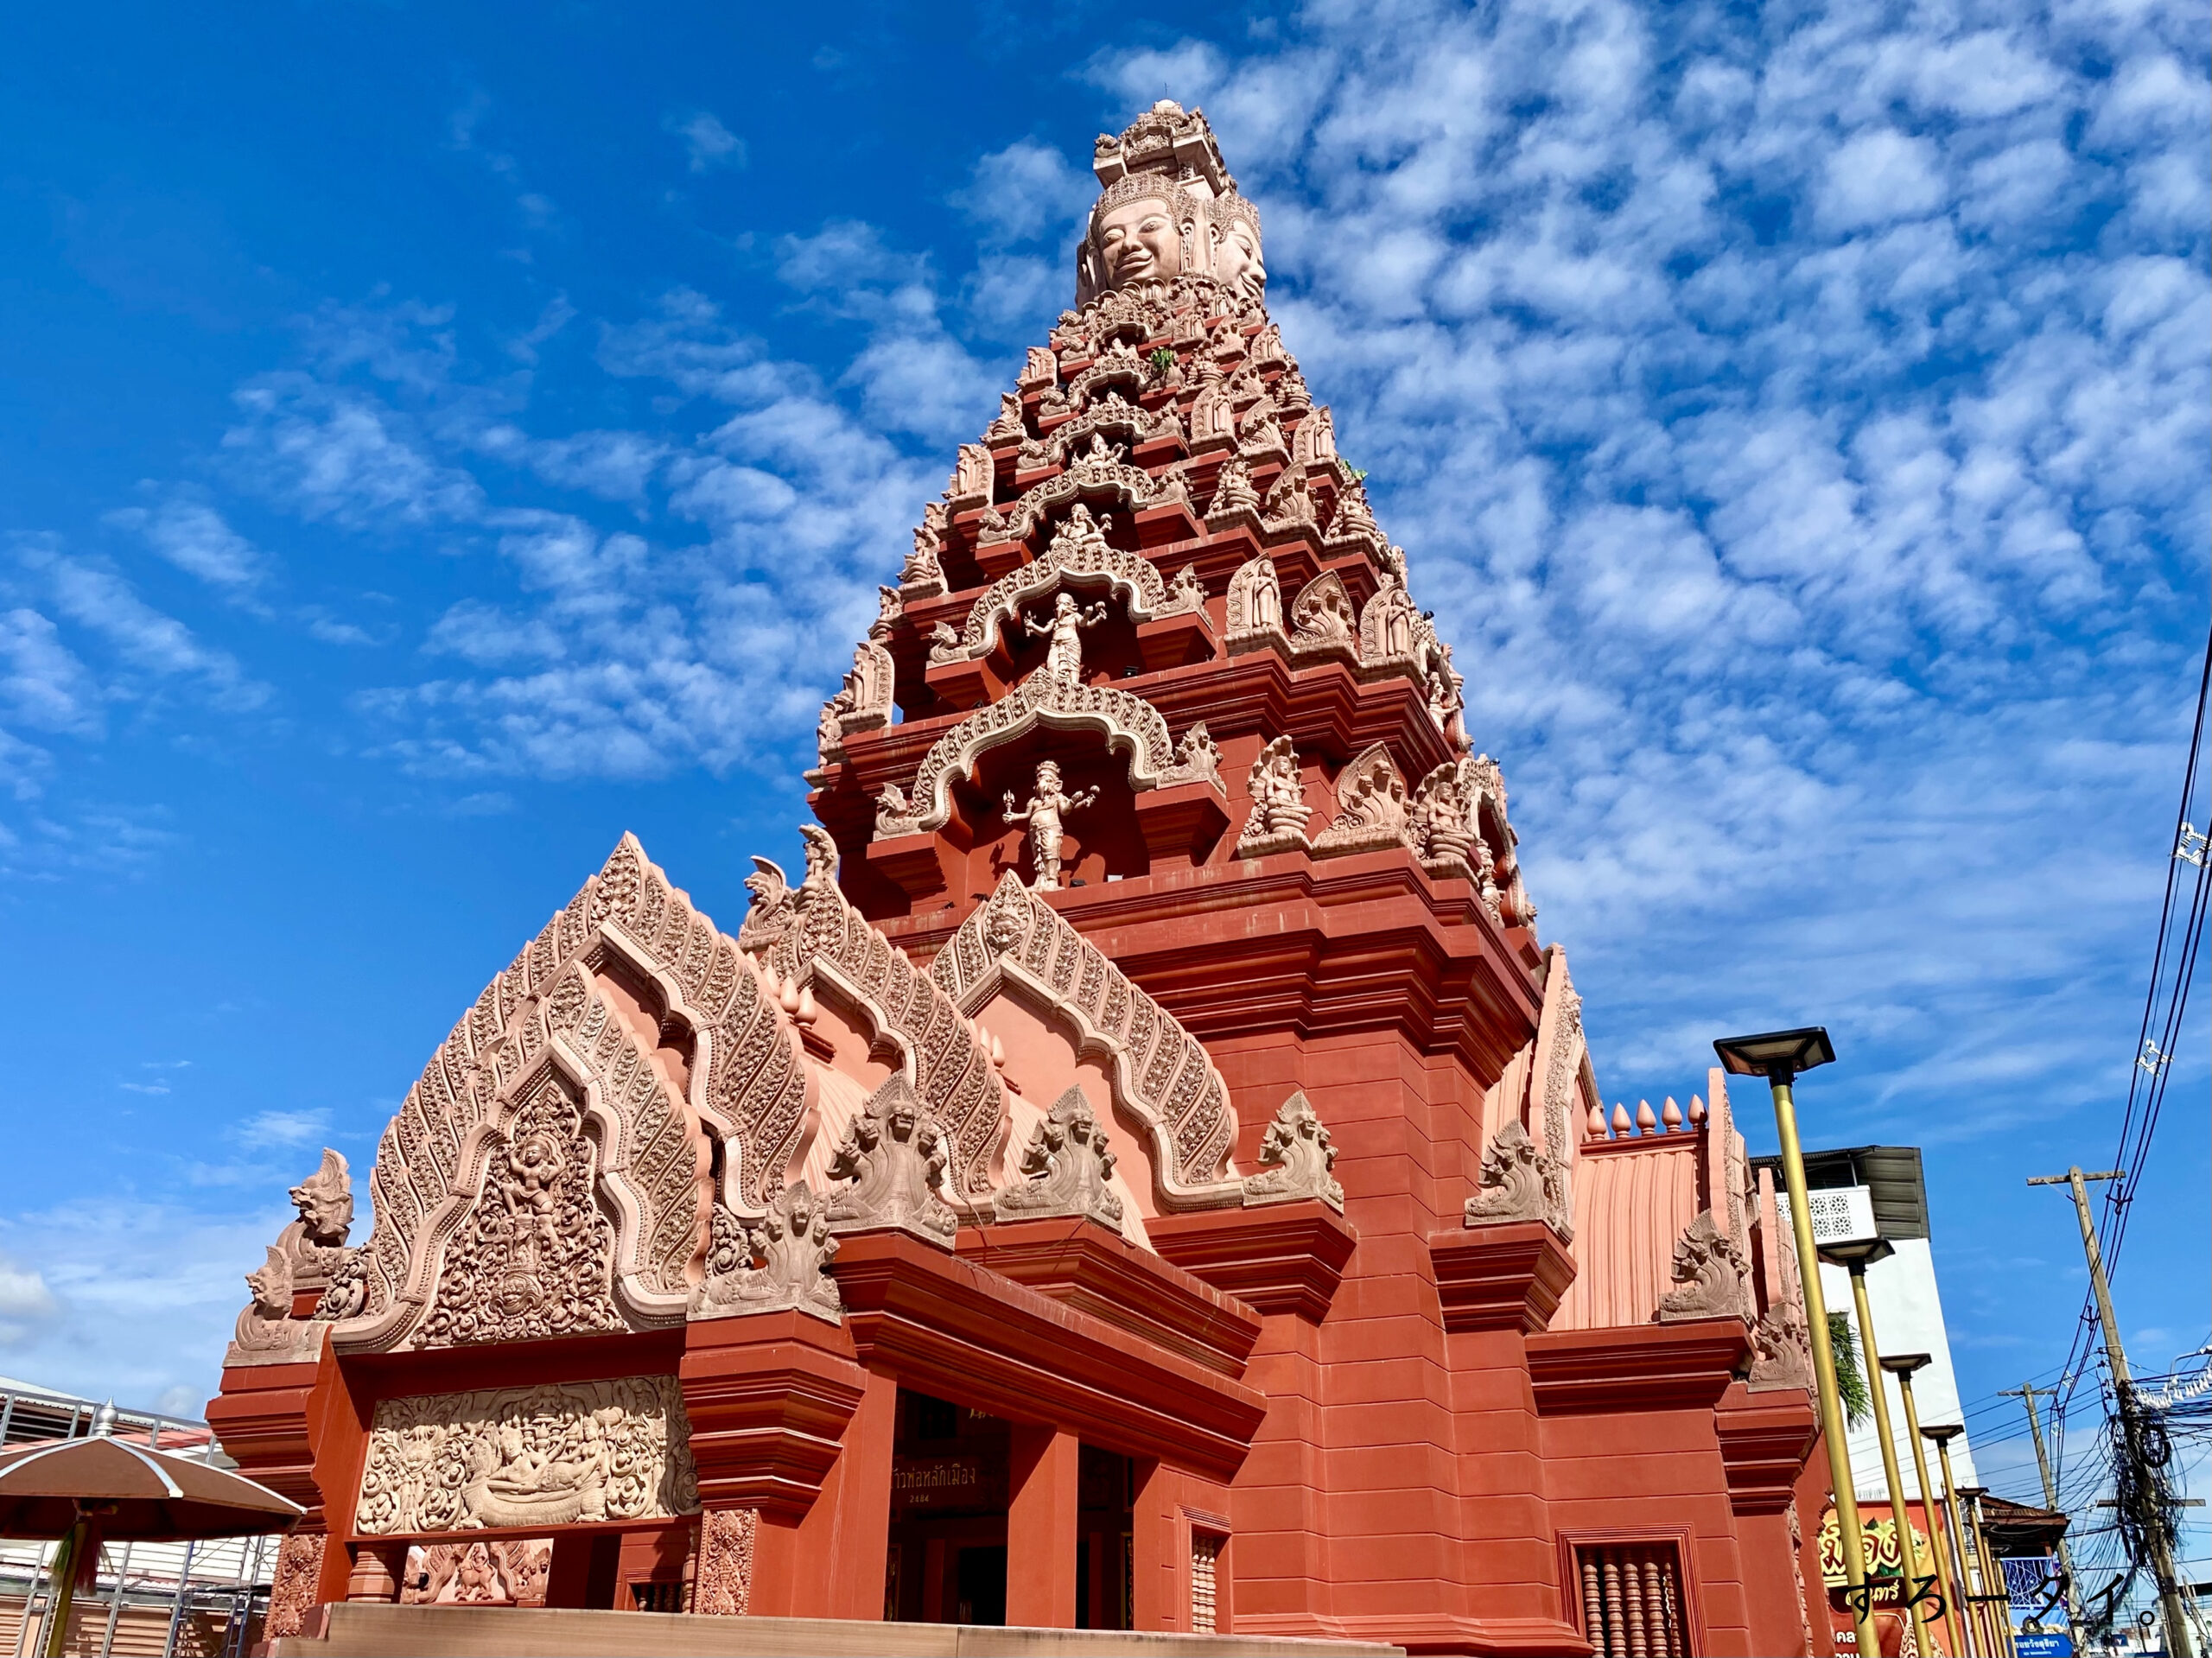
(1205, 1560)
(1632, 1600)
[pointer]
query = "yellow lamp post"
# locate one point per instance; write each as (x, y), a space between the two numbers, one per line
(1941, 1434)
(1903, 1366)
(1780, 1055)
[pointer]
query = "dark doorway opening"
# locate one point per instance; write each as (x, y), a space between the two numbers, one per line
(947, 1559)
(1104, 1582)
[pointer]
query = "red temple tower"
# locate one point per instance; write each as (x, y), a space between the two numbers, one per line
(1145, 1174)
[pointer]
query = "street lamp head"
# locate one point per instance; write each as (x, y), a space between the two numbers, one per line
(1777, 1055)
(1943, 1432)
(1856, 1253)
(1974, 1493)
(1905, 1364)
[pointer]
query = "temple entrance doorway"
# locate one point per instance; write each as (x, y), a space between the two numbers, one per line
(947, 1561)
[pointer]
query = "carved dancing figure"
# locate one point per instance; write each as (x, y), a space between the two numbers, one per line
(1044, 814)
(1064, 657)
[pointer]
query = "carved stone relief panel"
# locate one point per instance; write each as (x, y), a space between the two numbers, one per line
(562, 1453)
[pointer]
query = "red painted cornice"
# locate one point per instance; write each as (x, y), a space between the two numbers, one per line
(1082, 1265)
(1277, 1257)
(945, 1324)
(1504, 1277)
(767, 1396)
(1765, 1439)
(1636, 1367)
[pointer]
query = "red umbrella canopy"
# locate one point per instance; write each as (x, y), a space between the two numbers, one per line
(44, 1489)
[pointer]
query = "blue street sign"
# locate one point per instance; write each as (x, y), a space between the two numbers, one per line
(2050, 1643)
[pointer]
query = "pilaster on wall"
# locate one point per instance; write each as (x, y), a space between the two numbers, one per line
(1043, 1496)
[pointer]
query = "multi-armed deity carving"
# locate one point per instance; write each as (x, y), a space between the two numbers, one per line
(1065, 1168)
(1296, 1160)
(894, 1155)
(1045, 816)
(1279, 815)
(1064, 628)
(781, 1260)
(1708, 1275)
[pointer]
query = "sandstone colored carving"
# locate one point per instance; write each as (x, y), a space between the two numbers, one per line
(1390, 628)
(1708, 1275)
(1255, 603)
(1278, 818)
(293, 1585)
(315, 1243)
(1781, 1349)
(509, 1572)
(1511, 1184)
(1197, 759)
(1442, 833)
(1161, 1077)
(1296, 1160)
(868, 689)
(1187, 593)
(1045, 813)
(562, 1454)
(1064, 628)
(894, 1154)
(1372, 807)
(1065, 1168)
(1234, 496)
(779, 1261)
(266, 1333)
(1322, 621)
(727, 1538)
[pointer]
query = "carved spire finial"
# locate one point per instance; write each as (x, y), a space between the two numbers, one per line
(1296, 1160)
(893, 1154)
(1065, 1168)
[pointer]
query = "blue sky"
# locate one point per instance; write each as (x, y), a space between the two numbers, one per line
(431, 444)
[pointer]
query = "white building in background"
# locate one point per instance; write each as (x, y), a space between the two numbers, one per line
(1908, 1310)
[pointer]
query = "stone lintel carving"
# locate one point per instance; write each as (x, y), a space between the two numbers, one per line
(777, 1262)
(1708, 1275)
(1279, 815)
(1065, 1168)
(557, 1454)
(1296, 1160)
(1511, 1184)
(1078, 555)
(1161, 1077)
(1129, 724)
(266, 1333)
(726, 1540)
(893, 1154)
(1371, 807)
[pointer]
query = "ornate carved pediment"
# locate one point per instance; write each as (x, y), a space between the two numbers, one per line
(1161, 1075)
(1099, 474)
(1511, 1184)
(1065, 1168)
(1130, 725)
(544, 1025)
(562, 1453)
(1371, 807)
(1322, 620)
(1255, 603)
(1708, 1275)
(1562, 1062)
(894, 1156)
(1078, 555)
(811, 935)
(1390, 631)
(1296, 1160)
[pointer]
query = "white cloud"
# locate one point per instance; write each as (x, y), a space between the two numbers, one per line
(706, 142)
(1877, 177)
(267, 1129)
(1026, 193)
(194, 537)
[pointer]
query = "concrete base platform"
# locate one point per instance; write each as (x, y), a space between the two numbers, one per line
(366, 1629)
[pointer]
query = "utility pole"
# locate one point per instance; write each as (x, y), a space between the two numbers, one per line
(2151, 1520)
(2027, 1394)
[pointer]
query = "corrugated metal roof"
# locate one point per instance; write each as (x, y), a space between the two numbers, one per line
(1892, 1173)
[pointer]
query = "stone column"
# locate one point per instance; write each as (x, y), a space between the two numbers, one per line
(1040, 1527)
(376, 1571)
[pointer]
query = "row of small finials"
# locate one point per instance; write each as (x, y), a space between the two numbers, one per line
(1667, 1119)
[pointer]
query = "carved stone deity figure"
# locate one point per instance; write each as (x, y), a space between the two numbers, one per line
(921, 573)
(1296, 1160)
(970, 484)
(1441, 830)
(779, 1261)
(1187, 593)
(1511, 1184)
(1233, 493)
(1063, 656)
(893, 1153)
(1255, 601)
(315, 1243)
(1065, 1168)
(1233, 233)
(1781, 1348)
(1321, 617)
(1277, 822)
(1045, 813)
(1708, 1275)
(1387, 625)
(1143, 229)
